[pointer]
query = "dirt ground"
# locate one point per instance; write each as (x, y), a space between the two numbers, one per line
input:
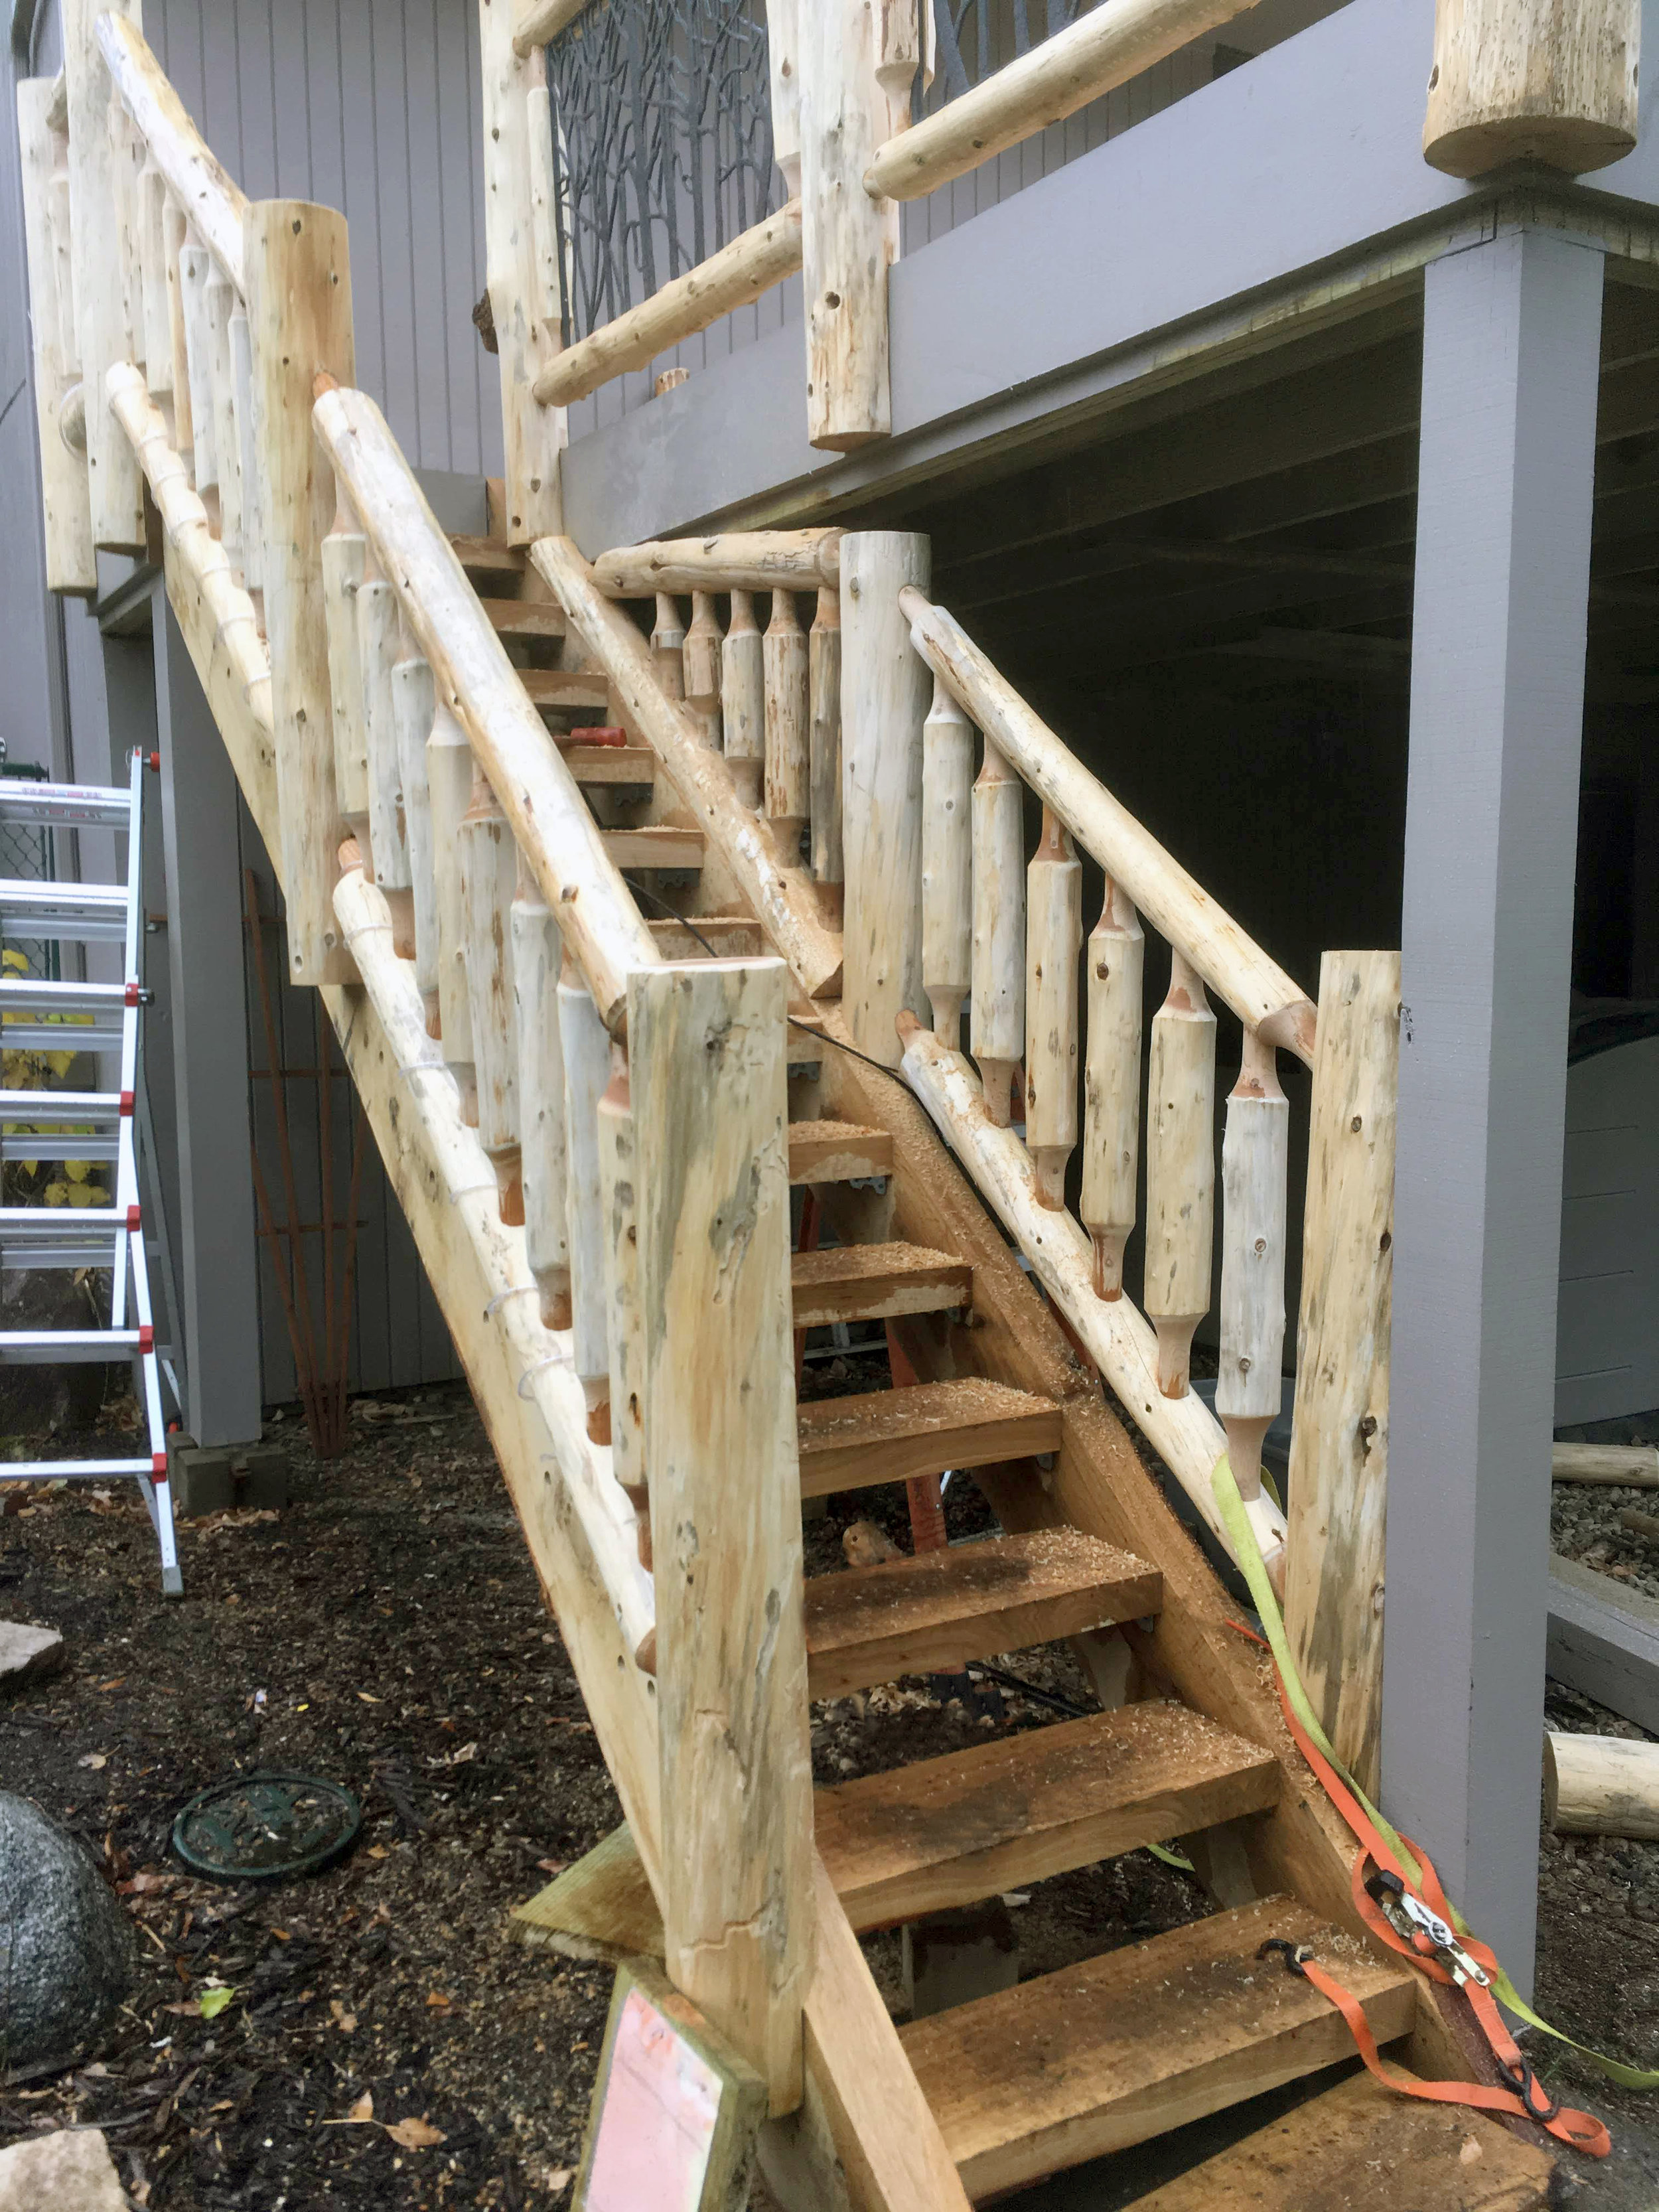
(386, 1631)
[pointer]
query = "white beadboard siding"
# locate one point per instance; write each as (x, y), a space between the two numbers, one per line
(1607, 1323)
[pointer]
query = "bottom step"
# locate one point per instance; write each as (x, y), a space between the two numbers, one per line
(1130, 2044)
(1363, 2149)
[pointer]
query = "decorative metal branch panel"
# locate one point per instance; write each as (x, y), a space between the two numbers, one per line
(974, 37)
(662, 145)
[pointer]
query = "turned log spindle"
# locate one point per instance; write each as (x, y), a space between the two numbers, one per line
(241, 366)
(414, 704)
(947, 863)
(614, 1122)
(743, 698)
(378, 627)
(668, 647)
(1111, 1085)
(195, 268)
(345, 563)
(823, 691)
(701, 657)
(586, 1073)
(1054, 940)
(537, 960)
(1255, 1161)
(1180, 1172)
(449, 785)
(788, 724)
(490, 868)
(997, 1026)
(158, 328)
(221, 305)
(174, 231)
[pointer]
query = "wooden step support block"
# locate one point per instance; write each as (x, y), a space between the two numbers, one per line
(837, 1152)
(658, 846)
(601, 1907)
(1363, 2149)
(877, 1282)
(889, 1436)
(535, 618)
(932, 1613)
(610, 764)
(946, 1830)
(725, 936)
(490, 556)
(564, 689)
(1125, 2046)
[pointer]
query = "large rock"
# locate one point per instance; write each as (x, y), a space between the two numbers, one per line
(26, 1654)
(66, 1942)
(69, 2172)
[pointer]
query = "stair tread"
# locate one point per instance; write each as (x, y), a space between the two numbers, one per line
(940, 1609)
(525, 617)
(488, 556)
(836, 1151)
(888, 1436)
(657, 845)
(948, 1831)
(732, 937)
(566, 687)
(1361, 2148)
(876, 1282)
(611, 763)
(1125, 2046)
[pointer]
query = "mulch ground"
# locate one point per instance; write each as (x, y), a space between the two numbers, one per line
(386, 1631)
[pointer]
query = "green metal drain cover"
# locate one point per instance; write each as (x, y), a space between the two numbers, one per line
(266, 1828)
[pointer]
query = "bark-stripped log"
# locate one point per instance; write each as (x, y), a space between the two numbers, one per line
(490, 868)
(823, 672)
(739, 560)
(449, 784)
(378, 625)
(414, 707)
(849, 240)
(1600, 1785)
(1115, 960)
(345, 560)
(587, 1048)
(997, 1022)
(624, 1321)
(1254, 1160)
(702, 675)
(158, 328)
(947, 863)
(221, 305)
(1053, 940)
(743, 699)
(195, 272)
(1180, 1172)
(1526, 81)
(783, 59)
(668, 647)
(788, 730)
(71, 565)
(117, 501)
(1256, 989)
(195, 176)
(535, 965)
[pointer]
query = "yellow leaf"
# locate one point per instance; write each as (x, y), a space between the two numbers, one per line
(416, 2134)
(16, 961)
(56, 1193)
(77, 1171)
(364, 2107)
(60, 1062)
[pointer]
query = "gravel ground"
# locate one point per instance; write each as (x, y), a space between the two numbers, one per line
(391, 1620)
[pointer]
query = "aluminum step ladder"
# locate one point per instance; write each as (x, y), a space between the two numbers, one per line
(83, 1125)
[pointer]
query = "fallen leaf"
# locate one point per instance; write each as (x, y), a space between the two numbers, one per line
(437, 2002)
(1470, 2152)
(379, 1851)
(550, 1866)
(367, 1700)
(95, 1759)
(560, 2177)
(364, 2107)
(282, 1935)
(212, 2003)
(416, 2134)
(114, 1685)
(344, 2020)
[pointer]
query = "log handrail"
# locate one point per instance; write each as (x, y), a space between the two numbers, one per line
(736, 276)
(740, 560)
(542, 21)
(1101, 51)
(1235, 968)
(564, 845)
(198, 179)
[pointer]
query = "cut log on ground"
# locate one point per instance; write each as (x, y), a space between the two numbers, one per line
(1600, 1785)
(1635, 1466)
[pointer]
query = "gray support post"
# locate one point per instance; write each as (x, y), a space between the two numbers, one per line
(218, 1256)
(1511, 340)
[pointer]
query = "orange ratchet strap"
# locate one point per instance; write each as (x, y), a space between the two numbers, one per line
(1416, 1921)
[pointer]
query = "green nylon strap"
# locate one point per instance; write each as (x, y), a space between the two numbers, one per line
(1248, 1554)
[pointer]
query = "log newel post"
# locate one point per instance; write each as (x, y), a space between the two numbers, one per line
(533, 435)
(849, 240)
(709, 1111)
(885, 692)
(299, 301)
(1526, 80)
(1337, 1501)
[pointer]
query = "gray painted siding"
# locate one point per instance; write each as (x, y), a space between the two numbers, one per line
(1608, 1321)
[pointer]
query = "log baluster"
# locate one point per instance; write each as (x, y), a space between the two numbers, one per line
(1180, 1172)
(823, 692)
(1054, 940)
(537, 960)
(997, 1028)
(668, 647)
(449, 783)
(220, 304)
(124, 145)
(1111, 1086)
(1254, 1157)
(624, 1320)
(174, 232)
(587, 1046)
(195, 272)
(947, 863)
(414, 705)
(158, 327)
(788, 724)
(743, 698)
(241, 366)
(703, 651)
(379, 624)
(345, 563)
(490, 869)
(63, 263)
